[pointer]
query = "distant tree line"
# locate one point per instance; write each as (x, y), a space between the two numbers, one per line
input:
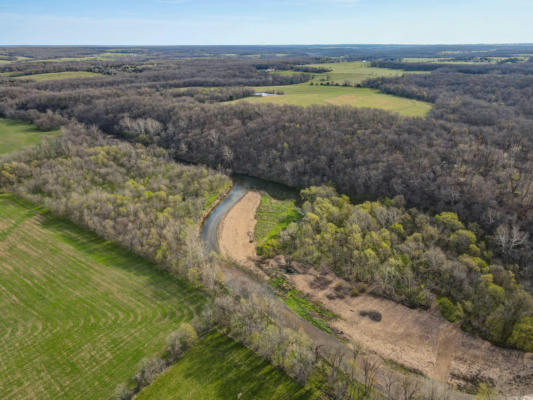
(472, 155)
(498, 98)
(336, 52)
(158, 74)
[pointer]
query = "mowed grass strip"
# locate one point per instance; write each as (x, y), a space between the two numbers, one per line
(218, 368)
(352, 72)
(14, 135)
(78, 312)
(273, 215)
(305, 95)
(59, 75)
(355, 72)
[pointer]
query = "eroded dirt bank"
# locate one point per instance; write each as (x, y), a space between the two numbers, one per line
(421, 340)
(235, 233)
(416, 339)
(234, 243)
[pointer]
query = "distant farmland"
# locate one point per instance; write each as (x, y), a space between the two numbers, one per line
(337, 88)
(355, 72)
(306, 95)
(15, 135)
(59, 75)
(218, 368)
(78, 313)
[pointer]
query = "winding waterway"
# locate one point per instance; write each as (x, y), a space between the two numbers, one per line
(239, 280)
(212, 222)
(241, 185)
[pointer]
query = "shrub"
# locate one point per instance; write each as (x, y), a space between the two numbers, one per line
(462, 239)
(181, 339)
(373, 315)
(149, 370)
(122, 393)
(397, 228)
(522, 336)
(448, 309)
(449, 220)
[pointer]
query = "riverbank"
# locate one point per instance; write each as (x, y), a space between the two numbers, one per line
(236, 232)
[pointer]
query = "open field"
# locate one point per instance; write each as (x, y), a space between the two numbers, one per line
(473, 61)
(273, 215)
(353, 72)
(220, 368)
(305, 95)
(60, 75)
(102, 57)
(78, 312)
(16, 134)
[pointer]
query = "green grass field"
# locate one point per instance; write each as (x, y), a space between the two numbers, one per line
(15, 135)
(297, 302)
(353, 72)
(102, 56)
(273, 215)
(78, 313)
(472, 61)
(305, 95)
(218, 368)
(59, 75)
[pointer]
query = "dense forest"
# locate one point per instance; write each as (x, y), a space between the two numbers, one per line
(347, 51)
(413, 258)
(422, 211)
(132, 195)
(155, 74)
(139, 197)
(471, 156)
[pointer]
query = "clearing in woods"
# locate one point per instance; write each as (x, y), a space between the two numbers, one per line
(59, 75)
(78, 312)
(218, 368)
(353, 73)
(15, 135)
(305, 94)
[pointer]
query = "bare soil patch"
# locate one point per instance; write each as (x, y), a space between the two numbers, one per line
(235, 233)
(420, 340)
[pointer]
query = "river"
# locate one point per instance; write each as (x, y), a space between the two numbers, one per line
(241, 185)
(240, 281)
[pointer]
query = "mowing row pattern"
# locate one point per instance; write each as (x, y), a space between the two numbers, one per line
(218, 368)
(78, 312)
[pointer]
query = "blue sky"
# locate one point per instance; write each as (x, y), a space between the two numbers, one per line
(174, 22)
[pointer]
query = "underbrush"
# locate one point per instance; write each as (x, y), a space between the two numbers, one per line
(311, 312)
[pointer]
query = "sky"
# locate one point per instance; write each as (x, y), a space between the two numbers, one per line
(234, 22)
